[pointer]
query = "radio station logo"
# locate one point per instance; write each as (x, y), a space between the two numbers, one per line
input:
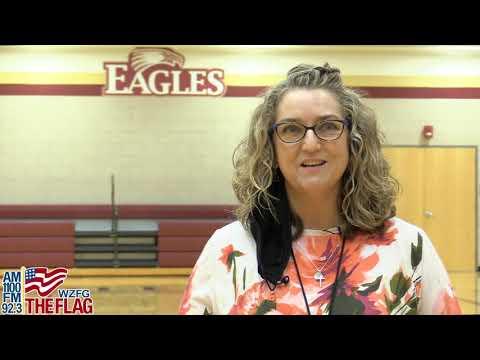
(159, 71)
(28, 291)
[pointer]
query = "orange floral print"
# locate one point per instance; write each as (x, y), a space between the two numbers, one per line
(228, 254)
(248, 302)
(418, 289)
(377, 239)
(365, 285)
(185, 303)
(446, 304)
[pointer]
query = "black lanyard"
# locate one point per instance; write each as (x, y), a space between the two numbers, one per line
(334, 291)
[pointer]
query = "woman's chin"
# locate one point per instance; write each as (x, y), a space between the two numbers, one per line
(314, 186)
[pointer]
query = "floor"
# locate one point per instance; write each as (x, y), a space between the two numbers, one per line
(150, 292)
(161, 295)
(134, 295)
(467, 289)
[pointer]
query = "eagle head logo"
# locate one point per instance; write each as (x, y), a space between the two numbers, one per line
(143, 58)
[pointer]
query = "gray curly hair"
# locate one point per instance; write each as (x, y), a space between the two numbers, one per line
(368, 191)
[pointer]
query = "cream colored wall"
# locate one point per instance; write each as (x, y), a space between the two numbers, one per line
(455, 121)
(168, 150)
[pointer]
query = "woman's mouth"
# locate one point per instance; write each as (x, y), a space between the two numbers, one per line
(314, 163)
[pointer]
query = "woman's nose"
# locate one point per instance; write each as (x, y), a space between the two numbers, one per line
(310, 141)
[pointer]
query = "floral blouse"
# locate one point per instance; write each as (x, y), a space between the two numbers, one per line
(397, 273)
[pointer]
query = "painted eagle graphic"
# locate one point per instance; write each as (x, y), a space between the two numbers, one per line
(141, 59)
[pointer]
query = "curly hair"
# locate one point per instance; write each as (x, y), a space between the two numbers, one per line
(368, 191)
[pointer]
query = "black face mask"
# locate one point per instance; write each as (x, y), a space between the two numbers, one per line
(273, 239)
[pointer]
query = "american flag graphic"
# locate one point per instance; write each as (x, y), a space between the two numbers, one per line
(44, 281)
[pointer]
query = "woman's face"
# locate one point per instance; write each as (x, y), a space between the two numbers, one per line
(311, 165)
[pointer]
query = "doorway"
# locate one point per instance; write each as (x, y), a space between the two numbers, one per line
(438, 194)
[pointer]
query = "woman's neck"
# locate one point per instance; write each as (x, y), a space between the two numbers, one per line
(318, 211)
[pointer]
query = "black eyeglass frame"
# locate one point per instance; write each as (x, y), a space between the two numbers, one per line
(345, 122)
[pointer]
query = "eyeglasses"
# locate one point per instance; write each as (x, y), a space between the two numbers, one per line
(293, 132)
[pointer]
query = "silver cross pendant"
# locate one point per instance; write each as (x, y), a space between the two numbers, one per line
(319, 277)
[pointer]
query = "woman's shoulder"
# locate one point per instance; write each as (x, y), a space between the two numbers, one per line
(234, 227)
(233, 231)
(406, 232)
(232, 234)
(404, 227)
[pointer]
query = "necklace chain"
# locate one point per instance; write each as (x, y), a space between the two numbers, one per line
(319, 275)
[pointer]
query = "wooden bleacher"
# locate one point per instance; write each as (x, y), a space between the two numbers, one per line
(25, 243)
(36, 235)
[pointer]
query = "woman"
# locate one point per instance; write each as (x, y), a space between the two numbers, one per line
(316, 230)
